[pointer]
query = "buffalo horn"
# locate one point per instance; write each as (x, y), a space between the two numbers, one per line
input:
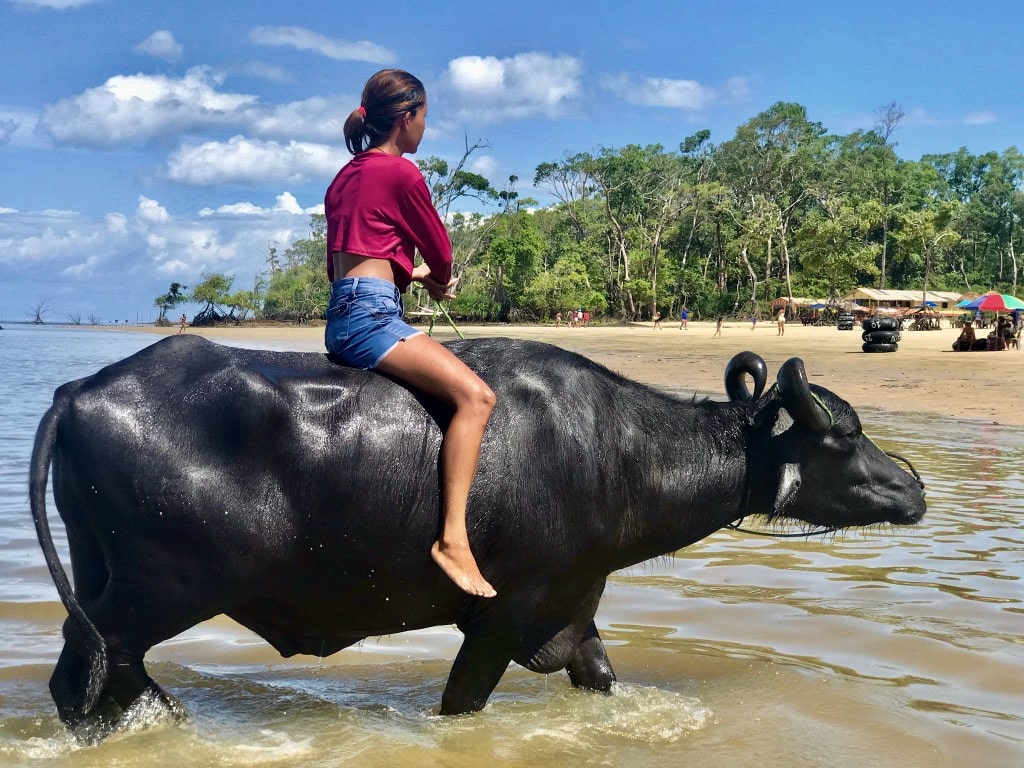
(797, 398)
(735, 373)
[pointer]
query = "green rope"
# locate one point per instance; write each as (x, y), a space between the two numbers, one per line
(440, 307)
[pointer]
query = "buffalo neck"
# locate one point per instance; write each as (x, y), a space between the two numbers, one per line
(686, 475)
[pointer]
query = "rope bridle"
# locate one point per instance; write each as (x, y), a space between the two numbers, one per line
(736, 525)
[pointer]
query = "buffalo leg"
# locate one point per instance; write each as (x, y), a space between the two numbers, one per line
(68, 685)
(481, 662)
(128, 682)
(589, 667)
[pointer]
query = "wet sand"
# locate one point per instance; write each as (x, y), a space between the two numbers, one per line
(924, 375)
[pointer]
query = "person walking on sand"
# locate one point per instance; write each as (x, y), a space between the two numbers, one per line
(657, 320)
(780, 319)
(684, 319)
(379, 213)
(182, 323)
(753, 323)
(718, 327)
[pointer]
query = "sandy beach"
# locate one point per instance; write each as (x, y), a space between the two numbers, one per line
(924, 375)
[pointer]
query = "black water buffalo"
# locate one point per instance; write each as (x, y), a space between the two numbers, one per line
(300, 498)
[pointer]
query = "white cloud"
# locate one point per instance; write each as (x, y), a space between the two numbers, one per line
(17, 126)
(117, 223)
(919, 116)
(308, 40)
(151, 211)
(55, 4)
(128, 260)
(738, 88)
(83, 269)
(265, 71)
(980, 118)
(287, 203)
(244, 161)
(138, 108)
(7, 129)
(233, 209)
(675, 93)
(284, 203)
(172, 268)
(659, 92)
(525, 85)
(485, 165)
(315, 118)
(162, 45)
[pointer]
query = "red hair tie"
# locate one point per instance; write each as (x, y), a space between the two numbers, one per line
(362, 111)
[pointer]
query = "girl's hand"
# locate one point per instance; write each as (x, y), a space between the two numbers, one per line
(438, 291)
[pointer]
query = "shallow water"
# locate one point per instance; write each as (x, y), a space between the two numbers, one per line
(878, 647)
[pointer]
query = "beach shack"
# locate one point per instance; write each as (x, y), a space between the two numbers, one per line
(898, 302)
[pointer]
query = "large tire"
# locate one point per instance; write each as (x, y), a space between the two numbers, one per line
(880, 324)
(879, 347)
(881, 337)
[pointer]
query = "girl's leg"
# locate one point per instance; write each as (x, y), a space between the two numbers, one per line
(425, 364)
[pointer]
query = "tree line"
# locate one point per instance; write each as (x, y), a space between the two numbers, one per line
(781, 209)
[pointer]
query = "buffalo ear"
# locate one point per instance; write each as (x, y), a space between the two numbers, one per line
(803, 405)
(742, 364)
(789, 484)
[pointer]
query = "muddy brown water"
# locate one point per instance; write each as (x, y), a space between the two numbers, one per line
(872, 647)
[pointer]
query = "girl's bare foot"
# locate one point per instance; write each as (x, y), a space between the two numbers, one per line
(460, 566)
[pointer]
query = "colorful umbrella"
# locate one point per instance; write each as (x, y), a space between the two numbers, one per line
(995, 302)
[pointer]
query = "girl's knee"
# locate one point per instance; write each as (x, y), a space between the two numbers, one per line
(479, 401)
(486, 397)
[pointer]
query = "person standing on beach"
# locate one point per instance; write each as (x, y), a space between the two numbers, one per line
(753, 322)
(184, 322)
(379, 213)
(718, 327)
(684, 319)
(657, 319)
(780, 319)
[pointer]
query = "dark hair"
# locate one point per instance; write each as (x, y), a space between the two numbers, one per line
(387, 95)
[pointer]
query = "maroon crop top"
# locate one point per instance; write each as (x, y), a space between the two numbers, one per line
(379, 206)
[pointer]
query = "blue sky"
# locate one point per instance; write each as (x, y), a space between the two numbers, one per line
(148, 142)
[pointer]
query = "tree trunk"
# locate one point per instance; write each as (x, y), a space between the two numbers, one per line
(753, 277)
(785, 262)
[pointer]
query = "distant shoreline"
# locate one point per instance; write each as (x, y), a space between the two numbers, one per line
(923, 376)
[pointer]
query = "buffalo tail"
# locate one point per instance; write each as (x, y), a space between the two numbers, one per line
(96, 647)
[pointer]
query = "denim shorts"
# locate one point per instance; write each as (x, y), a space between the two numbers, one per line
(364, 321)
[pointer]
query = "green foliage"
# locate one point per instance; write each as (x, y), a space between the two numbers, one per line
(782, 208)
(564, 286)
(241, 303)
(212, 292)
(297, 288)
(297, 294)
(169, 300)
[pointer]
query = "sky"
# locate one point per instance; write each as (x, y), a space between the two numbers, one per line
(144, 143)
